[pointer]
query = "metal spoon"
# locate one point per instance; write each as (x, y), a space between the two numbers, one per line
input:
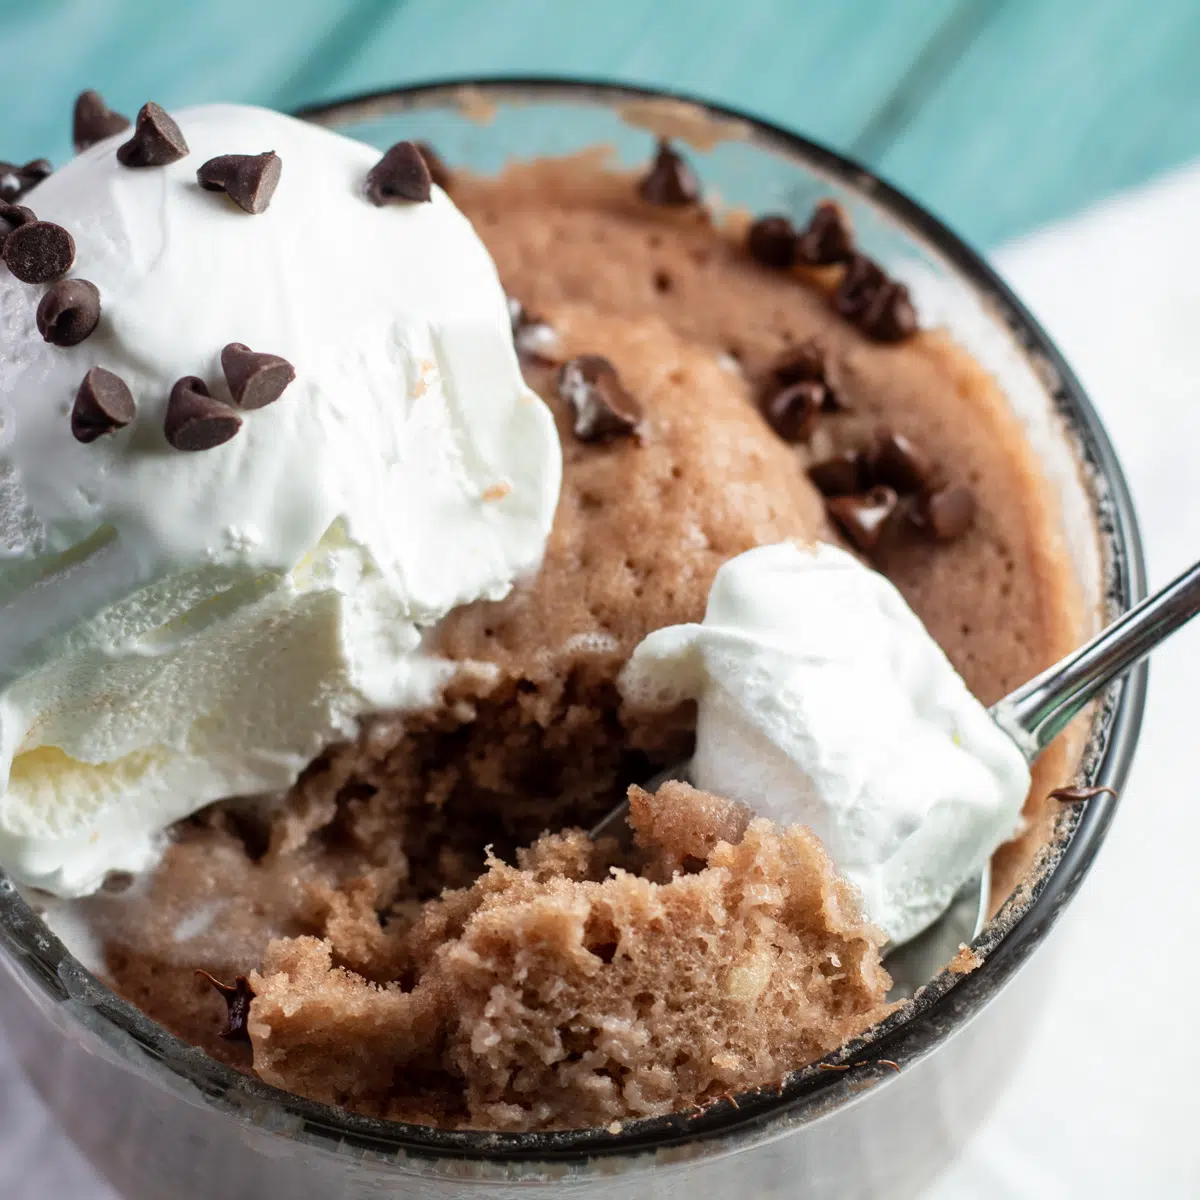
(1031, 716)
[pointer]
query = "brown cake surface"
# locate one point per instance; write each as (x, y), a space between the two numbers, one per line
(369, 965)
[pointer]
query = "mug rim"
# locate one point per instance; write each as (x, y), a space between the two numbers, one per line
(945, 1005)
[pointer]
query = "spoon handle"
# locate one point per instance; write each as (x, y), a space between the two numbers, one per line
(1039, 709)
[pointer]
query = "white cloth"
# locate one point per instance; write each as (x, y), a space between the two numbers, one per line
(1102, 1104)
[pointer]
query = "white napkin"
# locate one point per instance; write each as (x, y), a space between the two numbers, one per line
(1103, 1102)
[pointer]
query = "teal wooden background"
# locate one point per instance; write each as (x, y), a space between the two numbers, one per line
(998, 114)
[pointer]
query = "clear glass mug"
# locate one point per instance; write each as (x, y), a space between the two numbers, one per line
(160, 1119)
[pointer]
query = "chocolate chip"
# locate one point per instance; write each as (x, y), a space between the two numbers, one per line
(15, 181)
(39, 251)
(827, 238)
(771, 241)
(670, 180)
(792, 411)
(249, 180)
(13, 216)
(533, 338)
(889, 316)
(841, 475)
(237, 997)
(946, 513)
(1077, 795)
(156, 140)
(69, 312)
(103, 405)
(401, 175)
(95, 121)
(860, 284)
(807, 362)
(862, 518)
(255, 380)
(195, 419)
(899, 464)
(439, 172)
(603, 408)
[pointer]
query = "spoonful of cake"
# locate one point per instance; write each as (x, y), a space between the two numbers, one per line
(822, 700)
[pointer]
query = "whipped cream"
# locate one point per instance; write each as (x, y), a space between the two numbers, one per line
(177, 627)
(823, 701)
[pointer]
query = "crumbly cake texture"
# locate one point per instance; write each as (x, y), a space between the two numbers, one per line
(555, 994)
(344, 875)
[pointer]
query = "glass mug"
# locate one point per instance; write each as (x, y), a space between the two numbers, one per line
(160, 1119)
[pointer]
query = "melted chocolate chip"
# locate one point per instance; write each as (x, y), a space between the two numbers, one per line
(805, 363)
(1077, 795)
(771, 240)
(38, 251)
(792, 411)
(15, 180)
(603, 408)
(898, 463)
(237, 997)
(889, 315)
(69, 312)
(827, 238)
(439, 172)
(156, 140)
(95, 121)
(946, 513)
(670, 180)
(195, 419)
(400, 176)
(249, 180)
(860, 284)
(13, 216)
(255, 380)
(862, 518)
(841, 475)
(103, 405)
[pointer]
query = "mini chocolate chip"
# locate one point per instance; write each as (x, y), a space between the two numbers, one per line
(439, 172)
(249, 180)
(95, 121)
(603, 408)
(899, 464)
(1077, 795)
(827, 238)
(103, 405)
(237, 997)
(255, 380)
(889, 316)
(69, 312)
(792, 411)
(862, 518)
(195, 419)
(34, 171)
(156, 140)
(771, 241)
(401, 175)
(15, 181)
(670, 180)
(947, 513)
(532, 337)
(39, 251)
(13, 216)
(860, 284)
(841, 475)
(807, 362)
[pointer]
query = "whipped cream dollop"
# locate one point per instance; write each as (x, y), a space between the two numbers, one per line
(178, 627)
(823, 701)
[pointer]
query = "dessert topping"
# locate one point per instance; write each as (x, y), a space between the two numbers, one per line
(862, 517)
(828, 237)
(792, 411)
(103, 405)
(237, 999)
(439, 172)
(249, 180)
(38, 251)
(94, 120)
(1077, 795)
(807, 363)
(195, 419)
(69, 312)
(156, 140)
(899, 464)
(255, 380)
(15, 181)
(401, 175)
(670, 181)
(771, 240)
(603, 408)
(879, 306)
(13, 216)
(842, 474)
